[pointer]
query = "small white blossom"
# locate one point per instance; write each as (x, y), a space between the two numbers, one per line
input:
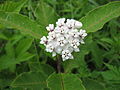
(43, 40)
(74, 33)
(64, 38)
(70, 23)
(82, 33)
(61, 41)
(60, 22)
(49, 48)
(66, 54)
(51, 36)
(75, 43)
(50, 27)
(78, 24)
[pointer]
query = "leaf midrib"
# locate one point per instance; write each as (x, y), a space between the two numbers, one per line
(18, 27)
(102, 19)
(62, 83)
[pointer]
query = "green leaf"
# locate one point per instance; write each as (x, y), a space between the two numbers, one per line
(44, 68)
(16, 38)
(6, 61)
(12, 6)
(23, 45)
(30, 80)
(113, 74)
(64, 82)
(95, 19)
(45, 14)
(10, 50)
(92, 85)
(25, 56)
(22, 23)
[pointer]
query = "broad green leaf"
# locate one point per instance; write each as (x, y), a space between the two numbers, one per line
(22, 23)
(45, 14)
(64, 82)
(44, 68)
(10, 53)
(23, 57)
(23, 45)
(6, 61)
(32, 80)
(16, 38)
(95, 19)
(110, 75)
(12, 6)
(10, 50)
(113, 74)
(93, 85)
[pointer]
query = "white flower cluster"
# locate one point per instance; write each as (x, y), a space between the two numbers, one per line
(64, 38)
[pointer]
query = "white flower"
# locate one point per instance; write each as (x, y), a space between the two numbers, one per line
(64, 38)
(74, 33)
(43, 40)
(82, 34)
(76, 49)
(61, 41)
(49, 48)
(70, 23)
(50, 27)
(78, 24)
(51, 36)
(66, 54)
(81, 41)
(60, 22)
(59, 30)
(75, 43)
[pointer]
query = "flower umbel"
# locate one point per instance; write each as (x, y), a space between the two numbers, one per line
(64, 38)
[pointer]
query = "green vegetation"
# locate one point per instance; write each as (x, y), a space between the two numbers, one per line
(24, 63)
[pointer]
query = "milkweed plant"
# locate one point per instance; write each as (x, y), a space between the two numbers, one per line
(64, 38)
(59, 45)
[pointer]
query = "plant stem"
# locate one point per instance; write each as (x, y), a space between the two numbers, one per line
(58, 64)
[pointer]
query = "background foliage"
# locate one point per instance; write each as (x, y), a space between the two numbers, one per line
(24, 65)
